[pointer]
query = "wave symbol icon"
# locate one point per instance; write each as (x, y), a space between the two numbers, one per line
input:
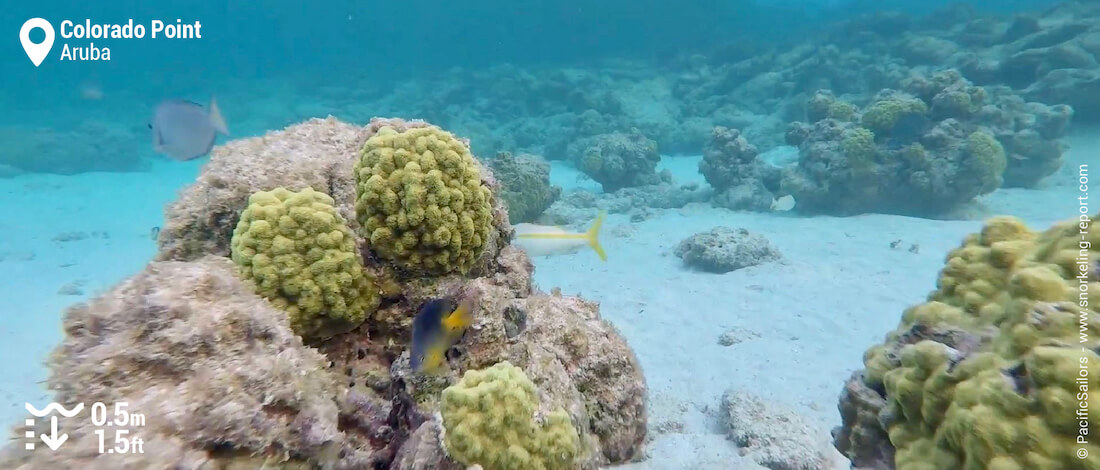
(55, 407)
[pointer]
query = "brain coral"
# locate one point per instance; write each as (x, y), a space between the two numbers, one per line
(420, 201)
(994, 370)
(303, 258)
(489, 418)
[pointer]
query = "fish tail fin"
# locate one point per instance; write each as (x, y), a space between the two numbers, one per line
(216, 118)
(593, 237)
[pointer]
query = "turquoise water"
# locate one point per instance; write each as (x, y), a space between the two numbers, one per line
(84, 194)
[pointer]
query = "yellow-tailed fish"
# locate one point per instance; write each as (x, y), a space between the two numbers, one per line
(545, 240)
(438, 325)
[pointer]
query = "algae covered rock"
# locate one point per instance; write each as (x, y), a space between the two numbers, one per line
(723, 249)
(524, 185)
(303, 258)
(988, 372)
(489, 420)
(215, 369)
(420, 201)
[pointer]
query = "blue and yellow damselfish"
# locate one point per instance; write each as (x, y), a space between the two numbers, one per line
(438, 325)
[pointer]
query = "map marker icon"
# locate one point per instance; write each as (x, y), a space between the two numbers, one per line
(36, 52)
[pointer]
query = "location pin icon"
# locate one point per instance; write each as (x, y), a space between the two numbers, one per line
(37, 52)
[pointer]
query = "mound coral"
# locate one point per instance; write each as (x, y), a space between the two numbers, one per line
(739, 178)
(858, 145)
(991, 371)
(524, 185)
(823, 104)
(885, 112)
(617, 160)
(489, 420)
(987, 158)
(304, 259)
(420, 201)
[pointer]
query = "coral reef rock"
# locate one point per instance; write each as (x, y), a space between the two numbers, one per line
(740, 179)
(723, 249)
(524, 185)
(215, 369)
(226, 383)
(617, 160)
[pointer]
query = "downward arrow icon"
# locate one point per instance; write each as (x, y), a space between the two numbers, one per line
(53, 440)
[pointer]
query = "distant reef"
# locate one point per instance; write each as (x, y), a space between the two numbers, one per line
(611, 117)
(1050, 57)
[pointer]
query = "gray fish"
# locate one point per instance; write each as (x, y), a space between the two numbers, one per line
(183, 130)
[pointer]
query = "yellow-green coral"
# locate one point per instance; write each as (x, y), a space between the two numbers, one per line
(915, 156)
(1009, 402)
(881, 116)
(489, 420)
(841, 110)
(303, 258)
(984, 150)
(859, 147)
(591, 162)
(420, 201)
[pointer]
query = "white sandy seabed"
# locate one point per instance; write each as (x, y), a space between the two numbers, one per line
(803, 322)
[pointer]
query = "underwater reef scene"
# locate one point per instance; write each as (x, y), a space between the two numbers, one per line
(865, 246)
